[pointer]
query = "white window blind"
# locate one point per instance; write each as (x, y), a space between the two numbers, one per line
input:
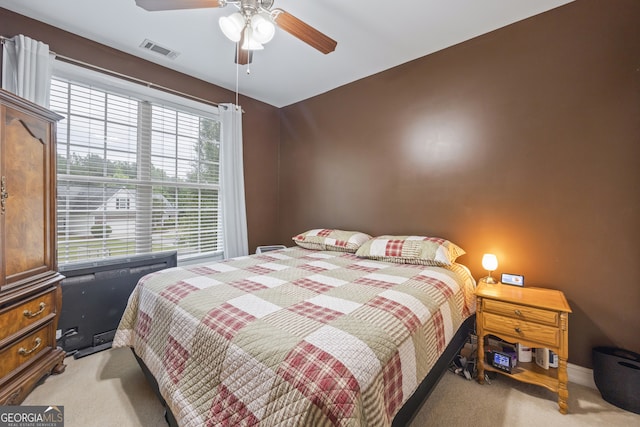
(134, 176)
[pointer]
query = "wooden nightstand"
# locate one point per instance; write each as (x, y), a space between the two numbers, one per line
(534, 317)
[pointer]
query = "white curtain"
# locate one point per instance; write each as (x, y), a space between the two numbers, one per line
(26, 69)
(234, 214)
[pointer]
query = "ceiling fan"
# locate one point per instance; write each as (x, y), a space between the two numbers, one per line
(252, 25)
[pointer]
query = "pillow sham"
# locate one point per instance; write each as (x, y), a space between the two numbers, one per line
(331, 240)
(411, 250)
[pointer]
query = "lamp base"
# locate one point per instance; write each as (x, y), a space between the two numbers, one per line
(489, 280)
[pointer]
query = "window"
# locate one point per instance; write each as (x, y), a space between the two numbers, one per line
(122, 203)
(134, 175)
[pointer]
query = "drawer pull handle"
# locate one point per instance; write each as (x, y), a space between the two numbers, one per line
(24, 352)
(518, 313)
(30, 314)
(518, 330)
(3, 194)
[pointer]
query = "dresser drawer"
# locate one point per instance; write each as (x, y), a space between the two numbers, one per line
(529, 314)
(26, 349)
(20, 316)
(520, 330)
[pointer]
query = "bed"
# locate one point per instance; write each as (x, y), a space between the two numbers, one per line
(297, 337)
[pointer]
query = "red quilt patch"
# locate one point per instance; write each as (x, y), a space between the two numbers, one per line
(259, 270)
(315, 312)
(438, 324)
(227, 320)
(312, 285)
(178, 291)
(143, 325)
(392, 375)
(323, 379)
(247, 286)
(175, 357)
(229, 411)
(394, 248)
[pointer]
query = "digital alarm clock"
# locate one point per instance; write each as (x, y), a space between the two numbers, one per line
(502, 361)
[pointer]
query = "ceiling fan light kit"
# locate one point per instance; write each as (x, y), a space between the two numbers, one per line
(258, 29)
(253, 25)
(249, 42)
(263, 27)
(232, 26)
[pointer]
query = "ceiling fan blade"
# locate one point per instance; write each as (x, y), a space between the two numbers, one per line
(304, 31)
(155, 5)
(243, 56)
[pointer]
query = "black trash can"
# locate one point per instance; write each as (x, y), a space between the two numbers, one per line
(617, 375)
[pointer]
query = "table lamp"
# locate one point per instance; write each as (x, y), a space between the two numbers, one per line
(489, 263)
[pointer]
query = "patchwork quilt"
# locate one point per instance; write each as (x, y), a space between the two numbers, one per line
(294, 337)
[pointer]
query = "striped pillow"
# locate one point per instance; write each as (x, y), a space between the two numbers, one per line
(411, 250)
(331, 240)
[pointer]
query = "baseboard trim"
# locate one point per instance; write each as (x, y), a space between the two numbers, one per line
(580, 375)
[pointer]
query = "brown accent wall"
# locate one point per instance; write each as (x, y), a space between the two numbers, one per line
(524, 142)
(261, 128)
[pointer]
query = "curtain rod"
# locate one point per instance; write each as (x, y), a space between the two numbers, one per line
(73, 61)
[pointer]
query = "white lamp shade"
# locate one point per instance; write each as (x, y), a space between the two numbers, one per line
(249, 42)
(489, 262)
(232, 26)
(263, 28)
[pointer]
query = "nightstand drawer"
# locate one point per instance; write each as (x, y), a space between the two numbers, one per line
(24, 350)
(529, 314)
(521, 330)
(24, 314)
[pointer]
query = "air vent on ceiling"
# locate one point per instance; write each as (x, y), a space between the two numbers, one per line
(155, 47)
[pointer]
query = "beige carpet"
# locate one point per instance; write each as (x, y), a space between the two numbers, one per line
(109, 389)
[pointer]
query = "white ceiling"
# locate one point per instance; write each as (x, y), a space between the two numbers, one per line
(372, 35)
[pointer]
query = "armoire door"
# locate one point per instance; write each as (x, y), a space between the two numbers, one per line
(27, 197)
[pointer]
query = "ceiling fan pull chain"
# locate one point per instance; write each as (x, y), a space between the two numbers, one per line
(237, 72)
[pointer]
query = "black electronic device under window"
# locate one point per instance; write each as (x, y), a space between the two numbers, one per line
(95, 294)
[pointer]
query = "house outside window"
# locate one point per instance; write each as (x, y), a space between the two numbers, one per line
(135, 175)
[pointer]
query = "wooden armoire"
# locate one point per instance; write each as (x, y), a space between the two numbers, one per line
(30, 294)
